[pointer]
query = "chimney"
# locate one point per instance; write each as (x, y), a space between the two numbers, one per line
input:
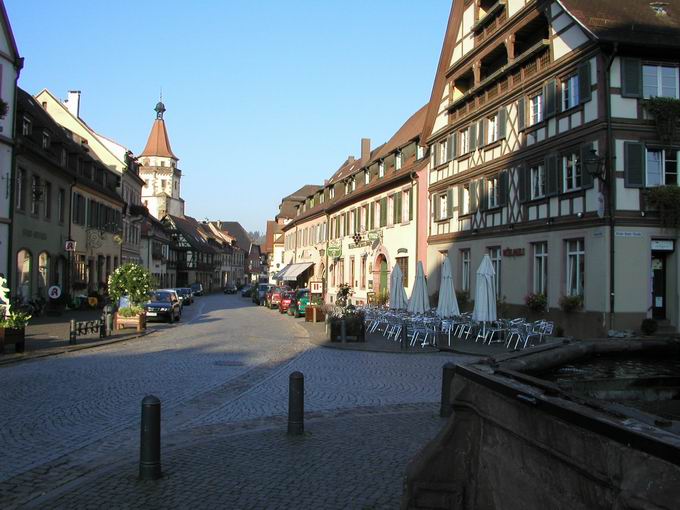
(365, 150)
(350, 159)
(73, 102)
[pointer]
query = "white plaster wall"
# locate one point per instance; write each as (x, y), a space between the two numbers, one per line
(568, 41)
(514, 5)
(624, 107)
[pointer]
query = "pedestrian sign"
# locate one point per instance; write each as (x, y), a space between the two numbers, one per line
(70, 245)
(54, 292)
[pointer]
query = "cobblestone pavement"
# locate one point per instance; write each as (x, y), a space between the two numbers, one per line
(227, 365)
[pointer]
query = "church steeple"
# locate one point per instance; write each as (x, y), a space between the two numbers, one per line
(158, 143)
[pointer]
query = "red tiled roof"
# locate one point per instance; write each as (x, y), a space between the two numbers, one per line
(158, 143)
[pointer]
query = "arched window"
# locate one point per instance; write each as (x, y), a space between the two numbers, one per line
(43, 273)
(23, 280)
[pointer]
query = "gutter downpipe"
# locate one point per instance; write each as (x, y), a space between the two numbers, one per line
(611, 184)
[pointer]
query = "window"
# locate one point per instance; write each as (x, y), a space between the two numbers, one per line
(26, 126)
(367, 176)
(575, 267)
(353, 184)
(465, 269)
(381, 169)
(661, 81)
(397, 161)
(61, 205)
(45, 140)
(570, 97)
(352, 282)
(23, 275)
(495, 256)
(362, 281)
(662, 168)
(571, 172)
(64, 157)
(492, 192)
(332, 192)
(48, 200)
(43, 273)
(537, 181)
(464, 141)
(540, 268)
(492, 129)
(21, 190)
(442, 206)
(35, 191)
(340, 268)
(420, 152)
(402, 262)
(535, 109)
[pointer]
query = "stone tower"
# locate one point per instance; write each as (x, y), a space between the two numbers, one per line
(161, 192)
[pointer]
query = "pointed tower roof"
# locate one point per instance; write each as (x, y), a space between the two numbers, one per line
(158, 143)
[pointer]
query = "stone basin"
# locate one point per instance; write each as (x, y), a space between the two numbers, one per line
(576, 425)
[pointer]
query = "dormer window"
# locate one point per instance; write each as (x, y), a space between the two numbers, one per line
(353, 184)
(46, 140)
(420, 152)
(381, 169)
(64, 157)
(26, 127)
(397, 161)
(367, 176)
(332, 192)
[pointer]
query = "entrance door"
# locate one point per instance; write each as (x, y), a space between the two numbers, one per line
(658, 285)
(383, 275)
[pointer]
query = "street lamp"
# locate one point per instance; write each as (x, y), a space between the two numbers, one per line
(594, 164)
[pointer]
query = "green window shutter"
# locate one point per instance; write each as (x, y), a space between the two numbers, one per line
(410, 204)
(524, 182)
(481, 188)
(634, 164)
(503, 188)
(394, 208)
(584, 92)
(371, 216)
(383, 211)
(437, 153)
(473, 196)
(451, 147)
(461, 199)
(456, 148)
(435, 205)
(552, 174)
(521, 114)
(550, 96)
(586, 178)
(481, 132)
(472, 137)
(399, 208)
(631, 77)
(357, 220)
(502, 121)
(449, 203)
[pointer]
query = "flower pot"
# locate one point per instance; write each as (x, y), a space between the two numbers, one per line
(16, 336)
(353, 328)
(136, 321)
(314, 314)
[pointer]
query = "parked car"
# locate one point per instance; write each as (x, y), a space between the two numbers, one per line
(300, 302)
(260, 293)
(230, 288)
(197, 289)
(163, 304)
(274, 296)
(286, 299)
(186, 296)
(246, 290)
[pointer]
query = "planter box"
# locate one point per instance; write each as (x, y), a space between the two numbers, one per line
(138, 322)
(16, 336)
(309, 314)
(354, 330)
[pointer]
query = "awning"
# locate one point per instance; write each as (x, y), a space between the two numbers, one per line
(295, 270)
(280, 274)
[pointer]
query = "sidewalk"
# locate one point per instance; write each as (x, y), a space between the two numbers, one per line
(49, 335)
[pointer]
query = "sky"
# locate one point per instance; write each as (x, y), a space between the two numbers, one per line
(262, 96)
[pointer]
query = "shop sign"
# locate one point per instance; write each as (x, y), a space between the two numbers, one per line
(628, 233)
(360, 244)
(513, 252)
(663, 245)
(373, 235)
(402, 250)
(335, 249)
(316, 287)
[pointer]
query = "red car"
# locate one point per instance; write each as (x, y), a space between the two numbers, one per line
(274, 297)
(286, 300)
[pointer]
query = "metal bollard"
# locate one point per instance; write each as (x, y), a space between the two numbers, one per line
(404, 336)
(296, 404)
(150, 439)
(448, 371)
(72, 333)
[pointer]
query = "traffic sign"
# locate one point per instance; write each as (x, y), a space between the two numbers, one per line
(70, 245)
(54, 292)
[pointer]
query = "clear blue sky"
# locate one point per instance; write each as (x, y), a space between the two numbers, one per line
(263, 96)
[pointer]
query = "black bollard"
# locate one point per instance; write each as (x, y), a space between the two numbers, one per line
(404, 336)
(448, 371)
(296, 404)
(150, 439)
(343, 331)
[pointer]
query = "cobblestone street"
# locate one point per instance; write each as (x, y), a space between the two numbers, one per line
(69, 424)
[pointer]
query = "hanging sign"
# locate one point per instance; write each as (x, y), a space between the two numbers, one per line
(335, 249)
(70, 245)
(663, 245)
(316, 287)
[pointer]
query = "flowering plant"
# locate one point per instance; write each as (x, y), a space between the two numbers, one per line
(536, 302)
(131, 280)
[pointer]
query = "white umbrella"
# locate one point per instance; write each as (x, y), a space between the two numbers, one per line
(448, 304)
(420, 301)
(485, 292)
(398, 299)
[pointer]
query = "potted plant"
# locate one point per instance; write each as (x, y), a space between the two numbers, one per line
(346, 322)
(536, 302)
(129, 287)
(12, 324)
(570, 304)
(315, 312)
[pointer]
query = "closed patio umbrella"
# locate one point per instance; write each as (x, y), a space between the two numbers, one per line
(485, 292)
(419, 301)
(448, 304)
(398, 300)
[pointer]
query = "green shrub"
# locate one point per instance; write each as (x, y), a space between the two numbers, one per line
(130, 311)
(536, 302)
(130, 280)
(570, 304)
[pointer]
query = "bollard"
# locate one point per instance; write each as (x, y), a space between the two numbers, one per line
(108, 320)
(446, 409)
(72, 333)
(343, 331)
(404, 336)
(150, 439)
(296, 404)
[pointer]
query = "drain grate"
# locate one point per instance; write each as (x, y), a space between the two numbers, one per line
(229, 363)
